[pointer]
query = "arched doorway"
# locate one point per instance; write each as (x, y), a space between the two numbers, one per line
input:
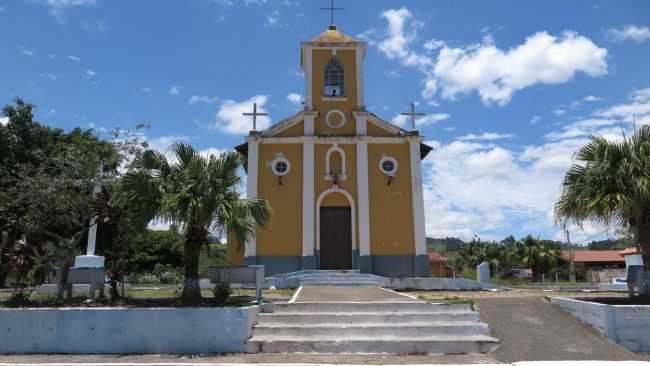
(336, 229)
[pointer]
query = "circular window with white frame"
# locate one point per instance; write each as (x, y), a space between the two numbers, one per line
(335, 118)
(388, 165)
(280, 166)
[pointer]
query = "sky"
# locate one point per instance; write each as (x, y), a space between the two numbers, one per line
(511, 89)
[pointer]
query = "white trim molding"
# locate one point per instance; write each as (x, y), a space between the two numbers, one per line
(335, 140)
(359, 69)
(308, 186)
(251, 188)
(418, 197)
(347, 195)
(328, 165)
(362, 194)
(309, 100)
(361, 120)
(309, 123)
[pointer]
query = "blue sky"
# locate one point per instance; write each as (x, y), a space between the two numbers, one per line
(512, 88)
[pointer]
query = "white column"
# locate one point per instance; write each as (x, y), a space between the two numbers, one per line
(308, 198)
(359, 57)
(308, 80)
(251, 187)
(309, 123)
(418, 197)
(362, 185)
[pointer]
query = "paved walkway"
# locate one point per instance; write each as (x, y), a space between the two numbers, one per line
(342, 294)
(534, 329)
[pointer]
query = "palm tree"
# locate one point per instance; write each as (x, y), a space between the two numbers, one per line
(199, 195)
(610, 184)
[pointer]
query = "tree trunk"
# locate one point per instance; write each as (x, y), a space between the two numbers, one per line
(195, 238)
(4, 251)
(63, 279)
(643, 236)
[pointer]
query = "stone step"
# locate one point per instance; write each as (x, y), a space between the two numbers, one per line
(320, 272)
(337, 283)
(338, 278)
(369, 317)
(391, 345)
(368, 307)
(375, 330)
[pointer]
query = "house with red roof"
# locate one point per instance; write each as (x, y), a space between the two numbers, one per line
(437, 262)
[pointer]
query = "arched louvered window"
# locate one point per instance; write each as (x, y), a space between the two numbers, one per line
(334, 86)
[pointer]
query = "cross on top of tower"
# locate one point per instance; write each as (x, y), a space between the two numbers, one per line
(255, 114)
(331, 9)
(413, 115)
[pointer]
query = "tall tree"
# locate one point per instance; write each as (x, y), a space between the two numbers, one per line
(198, 194)
(610, 184)
(45, 179)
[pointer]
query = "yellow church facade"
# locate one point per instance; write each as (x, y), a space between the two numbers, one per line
(344, 186)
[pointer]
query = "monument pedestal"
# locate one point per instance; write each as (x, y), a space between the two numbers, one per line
(89, 261)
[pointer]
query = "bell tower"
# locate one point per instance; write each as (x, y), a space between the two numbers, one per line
(333, 67)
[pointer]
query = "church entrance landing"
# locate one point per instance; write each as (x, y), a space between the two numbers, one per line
(335, 238)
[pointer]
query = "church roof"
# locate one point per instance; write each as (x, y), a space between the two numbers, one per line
(332, 35)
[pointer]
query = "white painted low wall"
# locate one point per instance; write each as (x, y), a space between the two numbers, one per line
(125, 330)
(434, 283)
(626, 325)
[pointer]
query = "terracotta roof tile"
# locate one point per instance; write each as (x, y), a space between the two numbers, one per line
(436, 257)
(630, 250)
(594, 256)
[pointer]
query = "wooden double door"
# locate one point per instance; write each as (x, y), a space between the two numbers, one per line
(335, 238)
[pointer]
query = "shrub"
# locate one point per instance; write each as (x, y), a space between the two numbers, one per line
(221, 292)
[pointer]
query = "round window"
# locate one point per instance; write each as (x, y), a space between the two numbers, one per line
(280, 166)
(388, 165)
(335, 118)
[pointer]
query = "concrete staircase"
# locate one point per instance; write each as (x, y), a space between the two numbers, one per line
(371, 327)
(332, 278)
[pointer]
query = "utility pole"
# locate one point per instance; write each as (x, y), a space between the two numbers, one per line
(572, 266)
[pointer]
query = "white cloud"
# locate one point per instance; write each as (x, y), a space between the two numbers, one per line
(272, 19)
(74, 58)
(430, 119)
(494, 73)
(26, 51)
(202, 99)
(592, 98)
(402, 31)
(434, 44)
(175, 90)
(474, 186)
(294, 98)
(59, 7)
(535, 120)
(4, 121)
(89, 74)
(230, 118)
(638, 108)
(629, 32)
(146, 90)
(487, 136)
(559, 112)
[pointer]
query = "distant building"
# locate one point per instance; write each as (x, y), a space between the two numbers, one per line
(437, 262)
(597, 265)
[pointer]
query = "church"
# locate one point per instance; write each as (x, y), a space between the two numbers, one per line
(344, 186)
